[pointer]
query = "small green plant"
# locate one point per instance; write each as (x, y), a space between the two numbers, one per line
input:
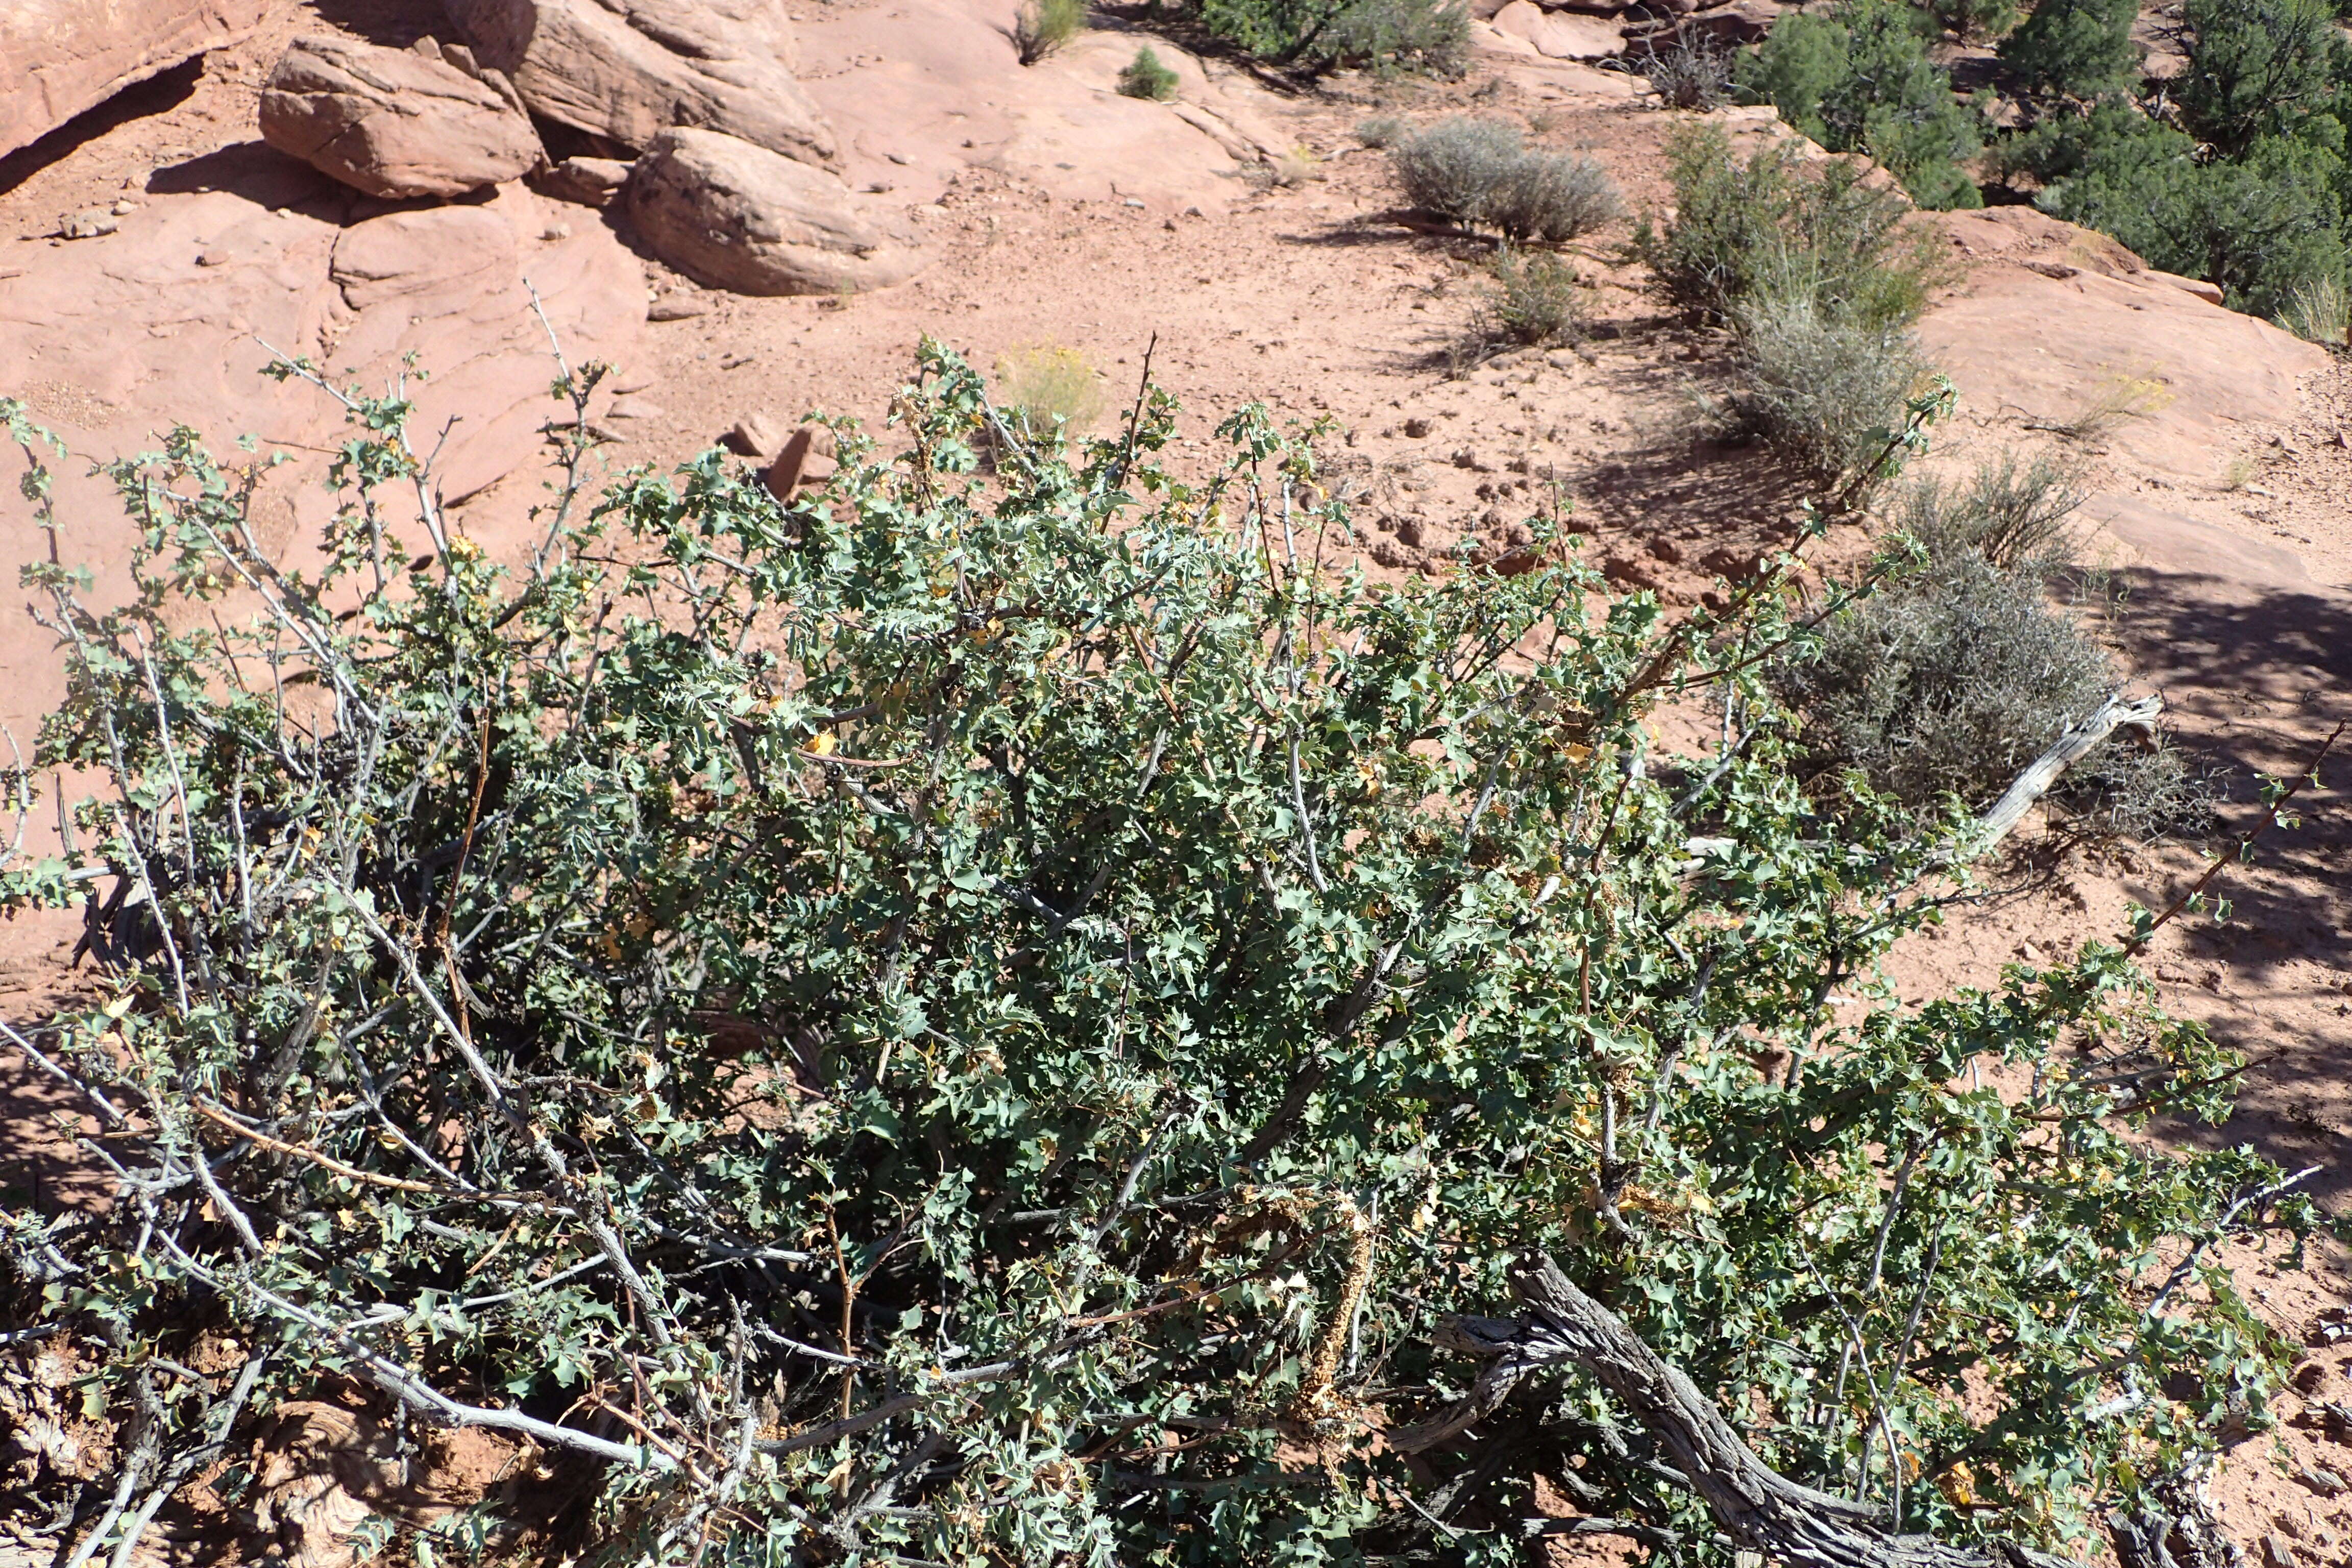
(1535, 299)
(1048, 390)
(1042, 27)
(1380, 131)
(1480, 173)
(1145, 76)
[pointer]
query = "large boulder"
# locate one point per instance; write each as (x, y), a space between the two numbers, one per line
(397, 122)
(736, 216)
(58, 58)
(629, 69)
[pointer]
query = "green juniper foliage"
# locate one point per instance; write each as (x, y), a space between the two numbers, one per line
(1857, 79)
(2077, 49)
(988, 1019)
(2251, 190)
(1431, 36)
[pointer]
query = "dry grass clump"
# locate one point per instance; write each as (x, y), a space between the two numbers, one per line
(2319, 311)
(1481, 173)
(1693, 71)
(1045, 388)
(2012, 513)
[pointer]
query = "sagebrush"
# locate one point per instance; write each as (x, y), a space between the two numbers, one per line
(1480, 173)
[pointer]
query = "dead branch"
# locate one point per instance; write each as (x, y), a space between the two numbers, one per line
(1760, 1508)
(2068, 749)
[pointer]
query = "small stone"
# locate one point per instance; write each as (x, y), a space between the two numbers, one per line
(1417, 427)
(87, 223)
(556, 231)
(806, 458)
(2278, 1553)
(1131, 202)
(590, 182)
(897, 158)
(1667, 551)
(213, 258)
(634, 408)
(676, 308)
(124, 208)
(2310, 1377)
(755, 436)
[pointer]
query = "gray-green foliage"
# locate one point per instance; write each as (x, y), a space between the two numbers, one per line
(985, 1019)
(1738, 225)
(1825, 392)
(1820, 280)
(1856, 78)
(1481, 173)
(1953, 678)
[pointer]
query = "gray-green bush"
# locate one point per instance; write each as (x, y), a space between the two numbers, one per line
(1737, 224)
(1954, 676)
(995, 1019)
(1481, 173)
(1826, 392)
(1820, 278)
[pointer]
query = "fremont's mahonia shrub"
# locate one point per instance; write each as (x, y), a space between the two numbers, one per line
(987, 1018)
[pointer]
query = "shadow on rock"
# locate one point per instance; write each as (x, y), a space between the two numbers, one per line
(158, 94)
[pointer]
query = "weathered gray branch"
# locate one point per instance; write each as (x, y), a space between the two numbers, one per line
(1760, 1508)
(2068, 749)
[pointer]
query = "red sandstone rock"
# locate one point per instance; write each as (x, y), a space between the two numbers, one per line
(733, 216)
(58, 58)
(395, 122)
(630, 71)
